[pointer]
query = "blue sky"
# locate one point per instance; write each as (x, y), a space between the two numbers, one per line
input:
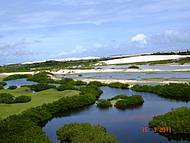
(56, 29)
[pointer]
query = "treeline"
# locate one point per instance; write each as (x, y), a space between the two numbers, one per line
(84, 133)
(26, 127)
(173, 53)
(178, 91)
(178, 120)
(17, 76)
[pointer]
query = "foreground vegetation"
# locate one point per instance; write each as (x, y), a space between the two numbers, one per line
(178, 120)
(2, 84)
(84, 133)
(26, 127)
(179, 91)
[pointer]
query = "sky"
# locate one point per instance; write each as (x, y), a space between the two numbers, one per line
(34, 30)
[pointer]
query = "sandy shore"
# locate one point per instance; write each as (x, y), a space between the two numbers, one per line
(132, 82)
(144, 59)
(66, 71)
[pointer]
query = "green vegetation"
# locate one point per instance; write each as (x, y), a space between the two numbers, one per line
(118, 85)
(38, 99)
(129, 102)
(96, 83)
(79, 82)
(41, 77)
(133, 67)
(12, 87)
(41, 87)
(25, 127)
(84, 133)
(67, 86)
(179, 91)
(17, 76)
(2, 84)
(178, 120)
(49, 65)
(103, 103)
(22, 99)
(173, 53)
(8, 98)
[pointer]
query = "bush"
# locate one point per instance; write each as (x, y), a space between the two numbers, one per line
(133, 67)
(2, 84)
(22, 99)
(12, 87)
(118, 85)
(104, 103)
(67, 86)
(42, 77)
(178, 120)
(84, 133)
(129, 102)
(17, 76)
(66, 81)
(96, 83)
(41, 87)
(79, 82)
(6, 98)
(179, 91)
(119, 97)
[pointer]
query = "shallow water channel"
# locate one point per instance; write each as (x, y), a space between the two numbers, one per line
(126, 125)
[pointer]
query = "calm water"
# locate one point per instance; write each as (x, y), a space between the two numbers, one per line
(23, 81)
(132, 75)
(126, 125)
(19, 82)
(154, 67)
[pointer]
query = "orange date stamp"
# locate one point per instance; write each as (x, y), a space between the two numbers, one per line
(157, 129)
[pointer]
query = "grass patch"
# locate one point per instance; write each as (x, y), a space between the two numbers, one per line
(38, 99)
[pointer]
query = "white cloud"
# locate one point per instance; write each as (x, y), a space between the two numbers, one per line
(139, 38)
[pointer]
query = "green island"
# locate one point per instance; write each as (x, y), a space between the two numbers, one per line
(103, 103)
(121, 102)
(178, 120)
(84, 133)
(178, 91)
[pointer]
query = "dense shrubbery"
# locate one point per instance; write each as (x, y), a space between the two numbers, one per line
(129, 101)
(24, 128)
(40, 87)
(118, 85)
(66, 87)
(79, 82)
(2, 84)
(180, 91)
(17, 76)
(178, 120)
(22, 99)
(66, 81)
(103, 103)
(133, 67)
(119, 97)
(12, 87)
(41, 77)
(8, 98)
(84, 133)
(96, 83)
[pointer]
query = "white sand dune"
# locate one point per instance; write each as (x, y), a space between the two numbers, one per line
(144, 59)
